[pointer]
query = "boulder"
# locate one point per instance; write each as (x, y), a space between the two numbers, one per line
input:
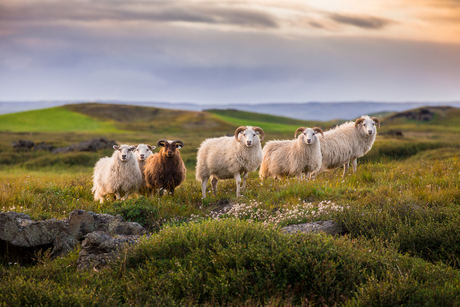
(19, 230)
(81, 223)
(98, 249)
(23, 145)
(44, 146)
(329, 227)
(89, 145)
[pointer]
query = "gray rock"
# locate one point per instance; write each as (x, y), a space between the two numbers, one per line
(23, 145)
(81, 223)
(98, 249)
(89, 145)
(18, 229)
(329, 227)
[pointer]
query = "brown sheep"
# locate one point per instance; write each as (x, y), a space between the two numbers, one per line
(165, 170)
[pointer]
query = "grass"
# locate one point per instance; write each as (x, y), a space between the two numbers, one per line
(56, 119)
(401, 212)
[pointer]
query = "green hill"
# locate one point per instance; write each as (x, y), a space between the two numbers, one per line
(57, 119)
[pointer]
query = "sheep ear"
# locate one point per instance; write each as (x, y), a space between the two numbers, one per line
(359, 121)
(317, 129)
(131, 148)
(116, 147)
(151, 147)
(376, 120)
(238, 131)
(179, 143)
(161, 142)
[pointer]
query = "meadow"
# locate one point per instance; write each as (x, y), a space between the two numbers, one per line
(401, 213)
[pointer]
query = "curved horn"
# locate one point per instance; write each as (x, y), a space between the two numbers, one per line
(238, 130)
(300, 129)
(375, 119)
(161, 142)
(359, 121)
(261, 131)
(318, 129)
(179, 142)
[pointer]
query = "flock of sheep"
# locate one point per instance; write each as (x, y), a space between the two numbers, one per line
(134, 169)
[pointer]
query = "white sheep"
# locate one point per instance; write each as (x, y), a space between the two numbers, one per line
(229, 157)
(143, 151)
(292, 157)
(116, 174)
(348, 142)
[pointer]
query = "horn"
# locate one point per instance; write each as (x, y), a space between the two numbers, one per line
(375, 119)
(317, 129)
(300, 129)
(261, 131)
(161, 142)
(179, 142)
(359, 121)
(238, 130)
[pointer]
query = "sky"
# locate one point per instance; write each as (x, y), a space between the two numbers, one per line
(227, 51)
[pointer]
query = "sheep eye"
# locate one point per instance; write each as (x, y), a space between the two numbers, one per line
(364, 125)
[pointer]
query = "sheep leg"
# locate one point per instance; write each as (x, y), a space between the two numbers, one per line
(117, 194)
(125, 196)
(345, 168)
(214, 185)
(245, 176)
(307, 175)
(171, 191)
(204, 183)
(355, 165)
(238, 180)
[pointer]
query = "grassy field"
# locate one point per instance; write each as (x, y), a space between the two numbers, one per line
(401, 211)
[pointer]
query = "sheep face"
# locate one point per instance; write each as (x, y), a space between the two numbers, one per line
(368, 125)
(309, 134)
(249, 135)
(143, 151)
(124, 152)
(170, 148)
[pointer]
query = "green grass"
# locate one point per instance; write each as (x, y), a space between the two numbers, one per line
(401, 212)
(56, 119)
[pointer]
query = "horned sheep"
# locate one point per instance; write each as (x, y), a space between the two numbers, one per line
(117, 174)
(229, 157)
(348, 142)
(165, 170)
(292, 157)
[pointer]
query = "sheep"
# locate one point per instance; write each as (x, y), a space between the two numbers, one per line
(143, 151)
(116, 174)
(229, 157)
(348, 142)
(292, 157)
(165, 170)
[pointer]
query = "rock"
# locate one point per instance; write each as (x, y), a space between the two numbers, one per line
(19, 230)
(328, 227)
(81, 223)
(98, 249)
(23, 145)
(89, 145)
(44, 146)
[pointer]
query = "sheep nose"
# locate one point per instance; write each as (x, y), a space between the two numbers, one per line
(123, 157)
(142, 156)
(309, 141)
(370, 132)
(249, 143)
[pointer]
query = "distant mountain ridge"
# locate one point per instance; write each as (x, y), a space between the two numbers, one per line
(320, 111)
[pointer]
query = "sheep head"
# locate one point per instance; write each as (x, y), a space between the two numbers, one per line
(143, 151)
(248, 134)
(367, 124)
(170, 148)
(124, 152)
(309, 134)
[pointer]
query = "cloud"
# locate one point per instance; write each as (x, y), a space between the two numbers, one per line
(366, 22)
(168, 11)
